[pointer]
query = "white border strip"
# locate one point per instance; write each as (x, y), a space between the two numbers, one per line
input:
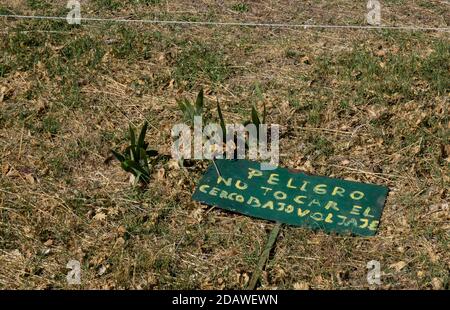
(245, 24)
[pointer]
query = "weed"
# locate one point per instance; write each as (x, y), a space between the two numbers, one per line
(241, 7)
(51, 125)
(190, 110)
(135, 158)
(37, 4)
(5, 11)
(127, 45)
(108, 4)
(71, 94)
(146, 2)
(436, 67)
(200, 62)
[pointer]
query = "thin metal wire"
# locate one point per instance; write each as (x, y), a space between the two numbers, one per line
(241, 24)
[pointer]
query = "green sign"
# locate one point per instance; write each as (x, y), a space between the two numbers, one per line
(293, 197)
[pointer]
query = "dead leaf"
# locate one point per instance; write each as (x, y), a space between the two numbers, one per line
(398, 266)
(307, 166)
(173, 164)
(49, 242)
(311, 82)
(29, 178)
(5, 168)
(243, 278)
(160, 174)
(102, 270)
(113, 211)
(356, 73)
(416, 149)
(305, 60)
(446, 152)
(345, 162)
(132, 179)
(40, 106)
(45, 251)
(2, 93)
(152, 280)
(280, 274)
(100, 216)
(121, 230)
(380, 53)
(198, 215)
(437, 284)
(15, 254)
(301, 286)
(12, 173)
(120, 241)
(207, 284)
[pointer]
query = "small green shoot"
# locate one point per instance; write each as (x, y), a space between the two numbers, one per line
(222, 121)
(256, 120)
(135, 158)
(191, 110)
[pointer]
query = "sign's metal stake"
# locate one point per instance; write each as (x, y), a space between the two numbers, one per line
(264, 256)
(215, 166)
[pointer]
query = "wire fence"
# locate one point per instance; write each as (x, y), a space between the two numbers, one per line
(235, 24)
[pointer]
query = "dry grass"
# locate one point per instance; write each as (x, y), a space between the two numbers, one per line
(362, 105)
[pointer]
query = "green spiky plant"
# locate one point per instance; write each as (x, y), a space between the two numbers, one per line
(190, 110)
(256, 120)
(136, 157)
(221, 120)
